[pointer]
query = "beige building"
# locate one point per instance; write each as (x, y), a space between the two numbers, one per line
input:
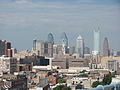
(8, 64)
(43, 48)
(108, 62)
(40, 78)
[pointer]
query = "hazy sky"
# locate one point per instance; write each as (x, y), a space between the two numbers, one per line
(23, 20)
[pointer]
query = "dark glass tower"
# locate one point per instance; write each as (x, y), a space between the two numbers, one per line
(50, 38)
(106, 50)
(34, 44)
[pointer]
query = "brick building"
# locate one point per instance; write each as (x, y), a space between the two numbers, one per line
(5, 48)
(13, 82)
(24, 67)
(70, 61)
(35, 60)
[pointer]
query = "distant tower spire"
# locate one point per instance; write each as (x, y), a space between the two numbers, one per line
(106, 51)
(80, 46)
(64, 43)
(50, 38)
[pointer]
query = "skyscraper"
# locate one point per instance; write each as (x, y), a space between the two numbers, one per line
(4, 46)
(106, 51)
(80, 46)
(34, 44)
(64, 43)
(50, 38)
(43, 48)
(96, 42)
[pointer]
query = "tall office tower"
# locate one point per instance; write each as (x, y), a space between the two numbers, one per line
(4, 46)
(34, 44)
(43, 48)
(96, 42)
(106, 51)
(7, 46)
(50, 38)
(80, 46)
(64, 43)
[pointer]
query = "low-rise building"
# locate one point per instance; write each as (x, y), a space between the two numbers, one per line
(13, 82)
(69, 61)
(24, 67)
(52, 79)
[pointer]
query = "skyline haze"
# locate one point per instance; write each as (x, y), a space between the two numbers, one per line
(21, 21)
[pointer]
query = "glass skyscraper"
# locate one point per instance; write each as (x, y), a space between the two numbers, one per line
(96, 42)
(80, 46)
(50, 38)
(64, 43)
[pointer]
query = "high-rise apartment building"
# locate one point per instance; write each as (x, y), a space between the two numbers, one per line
(80, 46)
(106, 50)
(64, 43)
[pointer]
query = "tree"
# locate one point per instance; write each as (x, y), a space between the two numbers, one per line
(96, 83)
(83, 71)
(107, 79)
(83, 75)
(62, 87)
(61, 80)
(66, 88)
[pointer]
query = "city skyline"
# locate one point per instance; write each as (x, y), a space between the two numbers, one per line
(24, 20)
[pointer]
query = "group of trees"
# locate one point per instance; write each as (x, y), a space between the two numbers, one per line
(62, 87)
(106, 81)
(61, 80)
(83, 75)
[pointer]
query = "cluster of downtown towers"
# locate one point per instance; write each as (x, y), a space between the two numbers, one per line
(80, 45)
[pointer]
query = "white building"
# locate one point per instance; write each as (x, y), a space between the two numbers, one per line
(80, 46)
(96, 42)
(8, 64)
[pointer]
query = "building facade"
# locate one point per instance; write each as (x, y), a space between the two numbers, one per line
(113, 65)
(13, 82)
(8, 64)
(67, 62)
(5, 48)
(43, 48)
